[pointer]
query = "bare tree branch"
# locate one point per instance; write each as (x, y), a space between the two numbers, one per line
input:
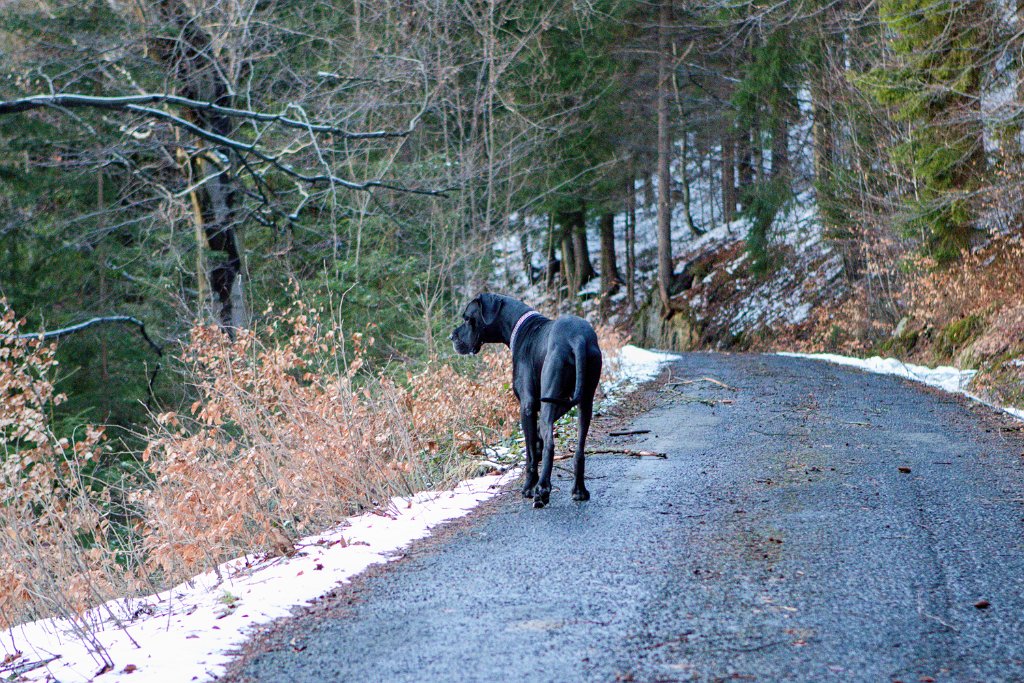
(64, 331)
(129, 103)
(135, 102)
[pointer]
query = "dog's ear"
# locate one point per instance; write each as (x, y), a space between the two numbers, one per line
(490, 307)
(467, 312)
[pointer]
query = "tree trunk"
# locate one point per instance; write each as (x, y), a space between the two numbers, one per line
(1020, 78)
(525, 255)
(780, 144)
(821, 128)
(610, 278)
(192, 61)
(728, 175)
(552, 264)
(102, 220)
(756, 151)
(664, 160)
(822, 134)
(687, 214)
(569, 261)
(745, 164)
(631, 240)
(581, 250)
(649, 193)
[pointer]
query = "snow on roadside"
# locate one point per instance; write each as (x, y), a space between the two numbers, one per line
(950, 379)
(188, 632)
(640, 365)
(636, 366)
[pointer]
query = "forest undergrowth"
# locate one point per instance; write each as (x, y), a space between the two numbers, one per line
(966, 313)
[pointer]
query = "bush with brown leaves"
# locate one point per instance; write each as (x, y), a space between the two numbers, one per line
(54, 522)
(290, 433)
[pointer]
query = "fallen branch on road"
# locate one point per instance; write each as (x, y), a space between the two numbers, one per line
(695, 399)
(712, 380)
(630, 432)
(627, 451)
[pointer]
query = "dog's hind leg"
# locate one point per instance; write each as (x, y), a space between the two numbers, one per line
(532, 444)
(579, 490)
(549, 414)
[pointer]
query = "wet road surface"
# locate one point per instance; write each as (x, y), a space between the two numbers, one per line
(825, 525)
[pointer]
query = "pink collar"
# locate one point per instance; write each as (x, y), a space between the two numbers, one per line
(515, 330)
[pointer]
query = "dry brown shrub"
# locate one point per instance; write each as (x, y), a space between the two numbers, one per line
(979, 283)
(611, 339)
(289, 434)
(1005, 333)
(54, 522)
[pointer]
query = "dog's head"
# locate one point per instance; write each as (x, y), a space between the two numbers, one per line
(478, 324)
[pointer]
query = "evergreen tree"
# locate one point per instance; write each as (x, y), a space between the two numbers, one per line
(933, 82)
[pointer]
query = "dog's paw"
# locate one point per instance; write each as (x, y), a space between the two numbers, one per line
(541, 497)
(580, 494)
(528, 491)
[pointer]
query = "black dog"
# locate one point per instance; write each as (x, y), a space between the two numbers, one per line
(556, 364)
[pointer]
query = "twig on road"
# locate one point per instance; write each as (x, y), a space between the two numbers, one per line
(587, 477)
(630, 432)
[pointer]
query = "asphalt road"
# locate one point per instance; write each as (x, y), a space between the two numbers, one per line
(780, 540)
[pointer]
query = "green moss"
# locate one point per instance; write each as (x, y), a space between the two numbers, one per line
(901, 344)
(957, 335)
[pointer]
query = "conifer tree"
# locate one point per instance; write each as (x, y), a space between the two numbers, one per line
(933, 83)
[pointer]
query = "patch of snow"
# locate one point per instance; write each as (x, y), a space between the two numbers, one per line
(592, 287)
(799, 314)
(731, 268)
(635, 366)
(953, 380)
(1015, 412)
(832, 268)
(949, 379)
(641, 365)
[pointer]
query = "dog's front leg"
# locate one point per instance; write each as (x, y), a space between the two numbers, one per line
(528, 420)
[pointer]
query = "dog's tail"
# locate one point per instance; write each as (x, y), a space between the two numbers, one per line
(580, 354)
